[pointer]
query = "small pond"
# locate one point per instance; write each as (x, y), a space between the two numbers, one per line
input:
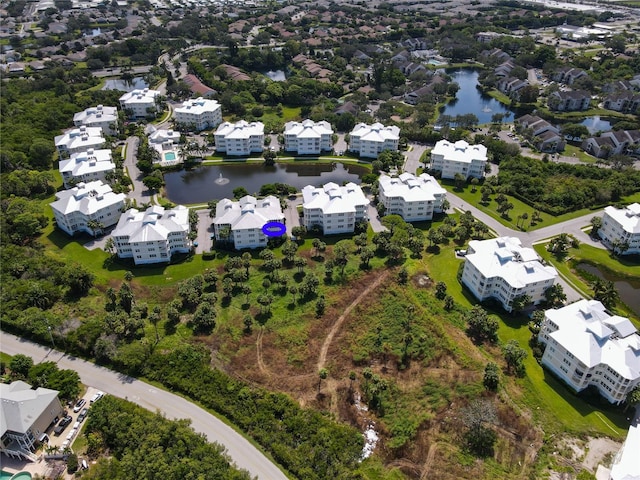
(628, 289)
(215, 182)
(470, 99)
(277, 75)
(136, 83)
(596, 124)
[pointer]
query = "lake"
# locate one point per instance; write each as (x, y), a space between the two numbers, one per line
(204, 183)
(471, 100)
(628, 289)
(136, 83)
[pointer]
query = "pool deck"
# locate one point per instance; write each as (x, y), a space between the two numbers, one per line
(14, 466)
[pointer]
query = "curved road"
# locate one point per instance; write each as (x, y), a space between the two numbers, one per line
(241, 451)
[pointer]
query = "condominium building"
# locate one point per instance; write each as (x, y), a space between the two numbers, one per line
(87, 166)
(621, 228)
(241, 138)
(140, 103)
(413, 198)
(501, 268)
(370, 140)
(77, 208)
(79, 140)
(199, 114)
(334, 208)
(241, 222)
(587, 346)
(102, 117)
(25, 417)
(308, 137)
(154, 235)
(459, 157)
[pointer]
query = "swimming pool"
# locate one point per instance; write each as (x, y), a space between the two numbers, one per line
(14, 476)
(169, 156)
(436, 62)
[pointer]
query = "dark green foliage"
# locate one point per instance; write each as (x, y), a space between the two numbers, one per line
(147, 445)
(491, 378)
(514, 355)
(481, 327)
(20, 365)
(72, 463)
(303, 441)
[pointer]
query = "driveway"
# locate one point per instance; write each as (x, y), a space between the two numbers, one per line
(205, 230)
(412, 157)
(140, 193)
(291, 216)
(241, 451)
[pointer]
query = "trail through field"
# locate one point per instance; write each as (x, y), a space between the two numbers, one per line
(322, 359)
(261, 365)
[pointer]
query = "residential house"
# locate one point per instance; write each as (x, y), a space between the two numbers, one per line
(347, 107)
(613, 143)
(241, 222)
(626, 102)
(504, 69)
(199, 114)
(75, 209)
(25, 417)
(568, 75)
(87, 166)
(197, 87)
(569, 101)
(308, 137)
(511, 86)
(165, 142)
(621, 226)
(240, 138)
(495, 56)
(486, 37)
(459, 157)
(336, 209)
(618, 86)
(546, 137)
(154, 235)
(370, 140)
(414, 198)
(79, 140)
(586, 346)
(502, 269)
(103, 117)
(413, 97)
(140, 103)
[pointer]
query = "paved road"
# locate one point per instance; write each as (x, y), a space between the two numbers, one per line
(241, 451)
(140, 193)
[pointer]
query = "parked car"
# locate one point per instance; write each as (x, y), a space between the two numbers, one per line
(62, 425)
(96, 397)
(83, 415)
(79, 405)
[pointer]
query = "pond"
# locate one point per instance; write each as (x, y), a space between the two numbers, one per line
(596, 124)
(136, 83)
(470, 99)
(628, 289)
(215, 182)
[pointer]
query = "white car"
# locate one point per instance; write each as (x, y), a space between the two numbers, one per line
(96, 397)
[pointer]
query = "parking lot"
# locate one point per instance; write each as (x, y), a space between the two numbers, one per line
(74, 427)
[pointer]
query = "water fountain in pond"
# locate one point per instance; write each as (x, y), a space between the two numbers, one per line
(221, 180)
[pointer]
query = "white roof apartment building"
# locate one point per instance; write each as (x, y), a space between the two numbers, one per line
(621, 226)
(413, 198)
(25, 416)
(587, 346)
(140, 103)
(241, 222)
(79, 140)
(370, 140)
(308, 137)
(336, 209)
(102, 117)
(241, 138)
(501, 268)
(459, 157)
(73, 209)
(154, 235)
(199, 113)
(87, 166)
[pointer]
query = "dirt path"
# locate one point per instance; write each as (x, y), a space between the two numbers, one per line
(261, 366)
(322, 359)
(427, 464)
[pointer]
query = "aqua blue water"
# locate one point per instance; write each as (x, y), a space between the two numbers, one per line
(18, 476)
(168, 156)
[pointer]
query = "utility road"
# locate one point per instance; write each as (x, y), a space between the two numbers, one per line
(241, 451)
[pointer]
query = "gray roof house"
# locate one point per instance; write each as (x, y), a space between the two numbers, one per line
(25, 416)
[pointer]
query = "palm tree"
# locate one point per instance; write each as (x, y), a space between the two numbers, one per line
(95, 226)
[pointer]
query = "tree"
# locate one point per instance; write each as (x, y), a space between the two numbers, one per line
(125, 297)
(449, 303)
(520, 302)
(596, 224)
(154, 319)
(403, 275)
(204, 318)
(366, 255)
(300, 263)
(269, 157)
(605, 291)
(20, 365)
(95, 226)
(153, 182)
(322, 374)
(514, 355)
(289, 250)
(441, 290)
(248, 323)
(480, 438)
(554, 295)
(491, 378)
(633, 397)
(459, 180)
(320, 306)
(240, 192)
(480, 327)
(299, 231)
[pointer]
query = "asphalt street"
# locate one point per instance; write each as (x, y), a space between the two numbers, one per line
(244, 454)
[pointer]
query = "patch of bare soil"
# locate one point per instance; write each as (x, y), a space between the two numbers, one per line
(597, 450)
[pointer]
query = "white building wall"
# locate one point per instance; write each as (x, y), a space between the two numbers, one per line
(613, 229)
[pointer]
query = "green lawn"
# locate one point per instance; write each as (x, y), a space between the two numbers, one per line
(519, 207)
(288, 114)
(501, 97)
(572, 150)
